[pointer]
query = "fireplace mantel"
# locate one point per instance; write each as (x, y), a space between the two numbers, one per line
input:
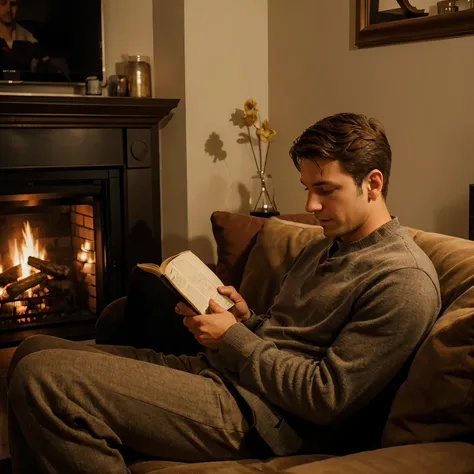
(60, 111)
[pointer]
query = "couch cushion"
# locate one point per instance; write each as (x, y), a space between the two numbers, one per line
(235, 235)
(430, 458)
(278, 244)
(436, 402)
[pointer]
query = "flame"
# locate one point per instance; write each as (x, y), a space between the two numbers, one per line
(29, 248)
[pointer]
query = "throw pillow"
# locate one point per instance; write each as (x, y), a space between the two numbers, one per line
(235, 235)
(278, 244)
(435, 401)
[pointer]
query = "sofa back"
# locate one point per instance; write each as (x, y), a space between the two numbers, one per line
(436, 400)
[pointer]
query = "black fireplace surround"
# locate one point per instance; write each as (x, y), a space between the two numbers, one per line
(83, 170)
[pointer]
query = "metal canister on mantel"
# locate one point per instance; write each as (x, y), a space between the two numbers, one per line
(139, 76)
(93, 86)
(118, 85)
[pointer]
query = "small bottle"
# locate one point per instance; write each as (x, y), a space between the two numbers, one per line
(139, 76)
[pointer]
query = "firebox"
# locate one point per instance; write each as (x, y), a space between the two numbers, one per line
(60, 234)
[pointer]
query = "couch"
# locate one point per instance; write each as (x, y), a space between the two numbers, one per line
(430, 427)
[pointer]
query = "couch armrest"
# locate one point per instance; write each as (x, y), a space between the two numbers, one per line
(429, 458)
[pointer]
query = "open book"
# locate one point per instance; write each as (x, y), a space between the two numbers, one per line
(192, 278)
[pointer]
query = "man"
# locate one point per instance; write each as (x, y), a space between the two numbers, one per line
(19, 49)
(313, 372)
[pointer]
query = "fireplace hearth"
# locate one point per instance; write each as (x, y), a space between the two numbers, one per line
(79, 207)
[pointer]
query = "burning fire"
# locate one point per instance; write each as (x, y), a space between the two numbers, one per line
(19, 254)
(29, 248)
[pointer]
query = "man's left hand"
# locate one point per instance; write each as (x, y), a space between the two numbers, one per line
(208, 329)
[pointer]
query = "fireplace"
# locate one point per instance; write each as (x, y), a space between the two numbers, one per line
(79, 207)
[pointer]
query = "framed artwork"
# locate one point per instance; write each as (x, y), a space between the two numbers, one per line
(382, 22)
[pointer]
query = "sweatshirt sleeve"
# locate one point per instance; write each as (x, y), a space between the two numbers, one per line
(388, 323)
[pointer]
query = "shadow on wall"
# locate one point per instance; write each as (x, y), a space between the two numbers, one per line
(142, 245)
(214, 147)
(244, 198)
(201, 246)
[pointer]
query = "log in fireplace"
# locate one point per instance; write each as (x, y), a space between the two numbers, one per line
(79, 207)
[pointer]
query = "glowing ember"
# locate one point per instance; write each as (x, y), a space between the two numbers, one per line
(29, 248)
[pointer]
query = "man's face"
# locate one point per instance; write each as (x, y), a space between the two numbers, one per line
(8, 9)
(340, 206)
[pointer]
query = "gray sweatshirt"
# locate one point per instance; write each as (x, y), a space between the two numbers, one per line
(347, 318)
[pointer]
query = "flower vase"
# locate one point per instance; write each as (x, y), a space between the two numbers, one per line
(262, 196)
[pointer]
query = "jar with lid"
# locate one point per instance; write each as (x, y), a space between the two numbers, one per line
(139, 76)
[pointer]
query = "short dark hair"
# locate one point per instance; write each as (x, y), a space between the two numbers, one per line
(357, 142)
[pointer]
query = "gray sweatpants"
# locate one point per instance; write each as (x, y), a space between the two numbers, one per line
(75, 408)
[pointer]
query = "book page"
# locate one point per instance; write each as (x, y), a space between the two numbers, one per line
(192, 277)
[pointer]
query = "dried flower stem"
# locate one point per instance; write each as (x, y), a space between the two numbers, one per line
(251, 147)
(266, 157)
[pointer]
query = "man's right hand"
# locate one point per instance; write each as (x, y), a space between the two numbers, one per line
(240, 309)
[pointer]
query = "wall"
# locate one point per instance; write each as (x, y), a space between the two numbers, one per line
(169, 79)
(420, 91)
(224, 61)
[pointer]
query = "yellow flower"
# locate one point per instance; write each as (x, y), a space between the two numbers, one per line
(251, 116)
(250, 106)
(265, 132)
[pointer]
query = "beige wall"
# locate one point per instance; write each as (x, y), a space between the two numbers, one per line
(128, 30)
(420, 91)
(169, 78)
(224, 61)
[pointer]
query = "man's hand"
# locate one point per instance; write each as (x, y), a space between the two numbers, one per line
(208, 329)
(240, 309)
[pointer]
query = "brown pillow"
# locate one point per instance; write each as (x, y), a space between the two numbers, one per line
(235, 235)
(435, 402)
(278, 243)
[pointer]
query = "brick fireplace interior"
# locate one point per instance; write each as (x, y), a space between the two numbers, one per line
(52, 231)
(47, 265)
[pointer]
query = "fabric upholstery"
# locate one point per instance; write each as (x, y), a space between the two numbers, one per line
(430, 458)
(235, 235)
(278, 243)
(436, 402)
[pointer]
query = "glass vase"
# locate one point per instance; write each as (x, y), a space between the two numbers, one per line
(262, 196)
(139, 76)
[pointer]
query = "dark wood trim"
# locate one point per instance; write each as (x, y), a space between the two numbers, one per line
(60, 111)
(412, 29)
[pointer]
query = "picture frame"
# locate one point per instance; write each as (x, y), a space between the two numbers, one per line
(417, 28)
(53, 43)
